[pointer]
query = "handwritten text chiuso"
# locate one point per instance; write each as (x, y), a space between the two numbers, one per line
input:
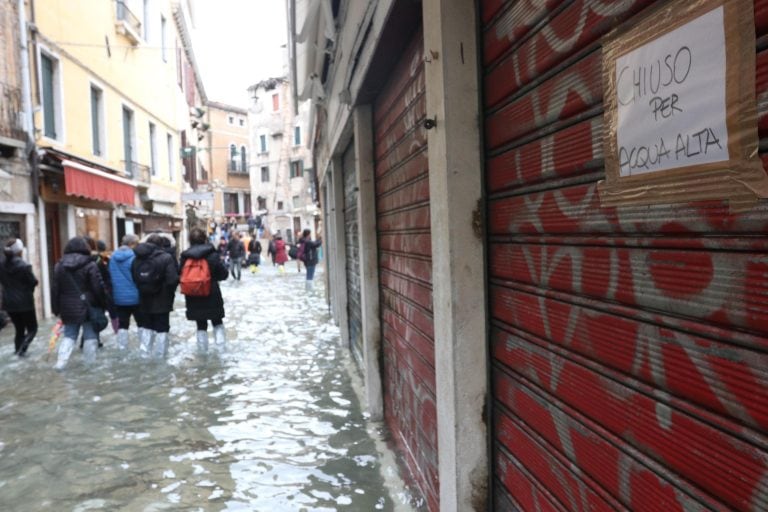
(652, 84)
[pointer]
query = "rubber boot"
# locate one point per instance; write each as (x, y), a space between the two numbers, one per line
(161, 345)
(22, 352)
(145, 342)
(89, 350)
(65, 350)
(202, 341)
(122, 339)
(220, 337)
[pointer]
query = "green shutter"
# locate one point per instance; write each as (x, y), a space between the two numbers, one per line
(95, 128)
(49, 114)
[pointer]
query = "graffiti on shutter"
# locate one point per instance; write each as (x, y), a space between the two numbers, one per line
(405, 269)
(629, 369)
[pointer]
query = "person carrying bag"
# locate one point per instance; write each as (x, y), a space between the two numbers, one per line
(78, 292)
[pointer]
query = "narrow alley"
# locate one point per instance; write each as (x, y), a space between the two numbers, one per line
(272, 424)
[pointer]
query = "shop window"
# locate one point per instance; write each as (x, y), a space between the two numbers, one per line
(94, 223)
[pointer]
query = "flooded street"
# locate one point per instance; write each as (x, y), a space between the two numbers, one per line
(272, 424)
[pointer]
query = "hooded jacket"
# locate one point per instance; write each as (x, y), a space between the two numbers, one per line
(280, 255)
(76, 269)
(212, 306)
(18, 284)
(165, 267)
(124, 291)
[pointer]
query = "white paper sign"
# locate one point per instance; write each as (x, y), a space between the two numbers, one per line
(671, 99)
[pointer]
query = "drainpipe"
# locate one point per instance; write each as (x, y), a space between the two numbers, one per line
(292, 54)
(29, 128)
(26, 87)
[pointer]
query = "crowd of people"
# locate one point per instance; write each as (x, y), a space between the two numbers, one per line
(91, 289)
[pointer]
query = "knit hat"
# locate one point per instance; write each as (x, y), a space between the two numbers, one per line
(15, 248)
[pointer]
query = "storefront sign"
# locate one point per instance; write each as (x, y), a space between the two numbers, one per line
(680, 123)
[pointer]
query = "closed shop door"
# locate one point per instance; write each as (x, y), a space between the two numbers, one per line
(353, 253)
(405, 268)
(628, 343)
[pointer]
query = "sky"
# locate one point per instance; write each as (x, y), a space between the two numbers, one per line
(238, 43)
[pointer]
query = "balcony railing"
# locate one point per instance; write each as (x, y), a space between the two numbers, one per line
(136, 171)
(237, 167)
(127, 23)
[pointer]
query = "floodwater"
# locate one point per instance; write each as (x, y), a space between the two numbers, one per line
(272, 424)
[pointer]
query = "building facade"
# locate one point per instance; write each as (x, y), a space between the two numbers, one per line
(110, 147)
(546, 316)
(229, 150)
(281, 172)
(18, 197)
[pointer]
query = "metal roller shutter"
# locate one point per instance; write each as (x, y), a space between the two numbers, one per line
(353, 253)
(405, 268)
(628, 344)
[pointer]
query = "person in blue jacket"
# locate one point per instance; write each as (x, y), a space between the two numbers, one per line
(124, 292)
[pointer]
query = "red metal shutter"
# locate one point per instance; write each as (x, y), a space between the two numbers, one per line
(405, 268)
(629, 367)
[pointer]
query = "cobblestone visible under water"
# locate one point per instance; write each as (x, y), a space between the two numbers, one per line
(272, 424)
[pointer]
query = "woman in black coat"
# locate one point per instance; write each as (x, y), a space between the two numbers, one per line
(77, 284)
(18, 295)
(211, 307)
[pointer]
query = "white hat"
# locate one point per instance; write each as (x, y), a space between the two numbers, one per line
(15, 248)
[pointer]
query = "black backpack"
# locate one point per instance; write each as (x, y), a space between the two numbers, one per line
(293, 252)
(147, 275)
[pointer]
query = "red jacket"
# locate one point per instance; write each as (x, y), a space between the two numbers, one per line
(281, 256)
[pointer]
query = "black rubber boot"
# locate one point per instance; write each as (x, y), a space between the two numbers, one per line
(22, 351)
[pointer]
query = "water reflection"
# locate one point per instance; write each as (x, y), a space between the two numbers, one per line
(273, 424)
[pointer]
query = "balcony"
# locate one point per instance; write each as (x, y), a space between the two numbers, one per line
(137, 172)
(237, 167)
(127, 23)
